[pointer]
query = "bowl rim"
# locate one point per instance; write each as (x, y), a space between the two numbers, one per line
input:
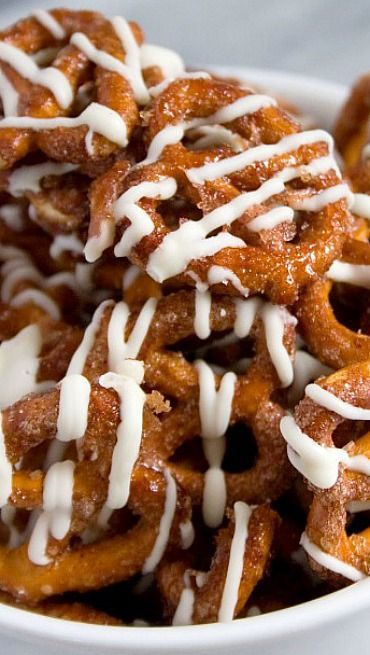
(326, 609)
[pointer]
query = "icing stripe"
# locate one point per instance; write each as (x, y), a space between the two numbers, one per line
(326, 399)
(165, 525)
(242, 514)
(329, 562)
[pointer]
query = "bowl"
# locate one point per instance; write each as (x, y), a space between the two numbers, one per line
(334, 623)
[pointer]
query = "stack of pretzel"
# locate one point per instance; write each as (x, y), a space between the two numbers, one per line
(185, 328)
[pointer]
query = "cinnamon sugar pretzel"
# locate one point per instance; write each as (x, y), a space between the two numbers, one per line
(167, 237)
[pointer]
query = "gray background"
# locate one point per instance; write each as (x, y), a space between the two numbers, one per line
(324, 38)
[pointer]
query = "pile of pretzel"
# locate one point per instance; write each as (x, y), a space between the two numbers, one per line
(185, 335)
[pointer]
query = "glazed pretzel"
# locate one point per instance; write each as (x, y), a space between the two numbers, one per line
(112, 89)
(259, 259)
(339, 477)
(208, 589)
(170, 373)
(351, 130)
(332, 342)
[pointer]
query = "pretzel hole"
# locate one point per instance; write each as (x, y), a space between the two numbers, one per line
(190, 455)
(222, 349)
(348, 431)
(176, 209)
(350, 306)
(357, 522)
(241, 449)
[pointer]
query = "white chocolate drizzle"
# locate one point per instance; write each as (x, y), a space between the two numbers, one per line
(65, 243)
(203, 303)
(110, 63)
(326, 399)
(56, 517)
(74, 399)
(9, 96)
(361, 205)
(274, 318)
(222, 275)
(357, 274)
(28, 178)
(215, 408)
(50, 77)
(96, 117)
(317, 463)
(329, 561)
(12, 216)
(165, 525)
(184, 610)
(19, 365)
(306, 369)
(50, 23)
(6, 470)
(212, 171)
(242, 514)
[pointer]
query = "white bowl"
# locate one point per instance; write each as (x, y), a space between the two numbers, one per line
(334, 623)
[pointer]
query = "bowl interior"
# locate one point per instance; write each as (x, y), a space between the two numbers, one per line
(321, 100)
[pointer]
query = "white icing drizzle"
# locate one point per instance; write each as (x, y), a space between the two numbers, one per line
(119, 348)
(165, 525)
(9, 96)
(39, 298)
(28, 178)
(356, 506)
(51, 78)
(202, 317)
(242, 514)
(246, 312)
(271, 219)
(65, 243)
(6, 470)
(98, 118)
(130, 276)
(175, 133)
(331, 402)
(317, 463)
(74, 399)
(187, 534)
(167, 60)
(184, 609)
(80, 356)
(215, 408)
(19, 365)
(108, 62)
(12, 216)
(126, 207)
(238, 162)
(222, 275)
(141, 223)
(50, 23)
(306, 368)
(189, 241)
(321, 199)
(129, 432)
(55, 519)
(329, 561)
(361, 205)
(274, 318)
(357, 274)
(211, 136)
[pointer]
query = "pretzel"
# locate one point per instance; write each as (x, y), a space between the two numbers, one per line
(351, 128)
(207, 180)
(338, 477)
(73, 69)
(211, 597)
(332, 342)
